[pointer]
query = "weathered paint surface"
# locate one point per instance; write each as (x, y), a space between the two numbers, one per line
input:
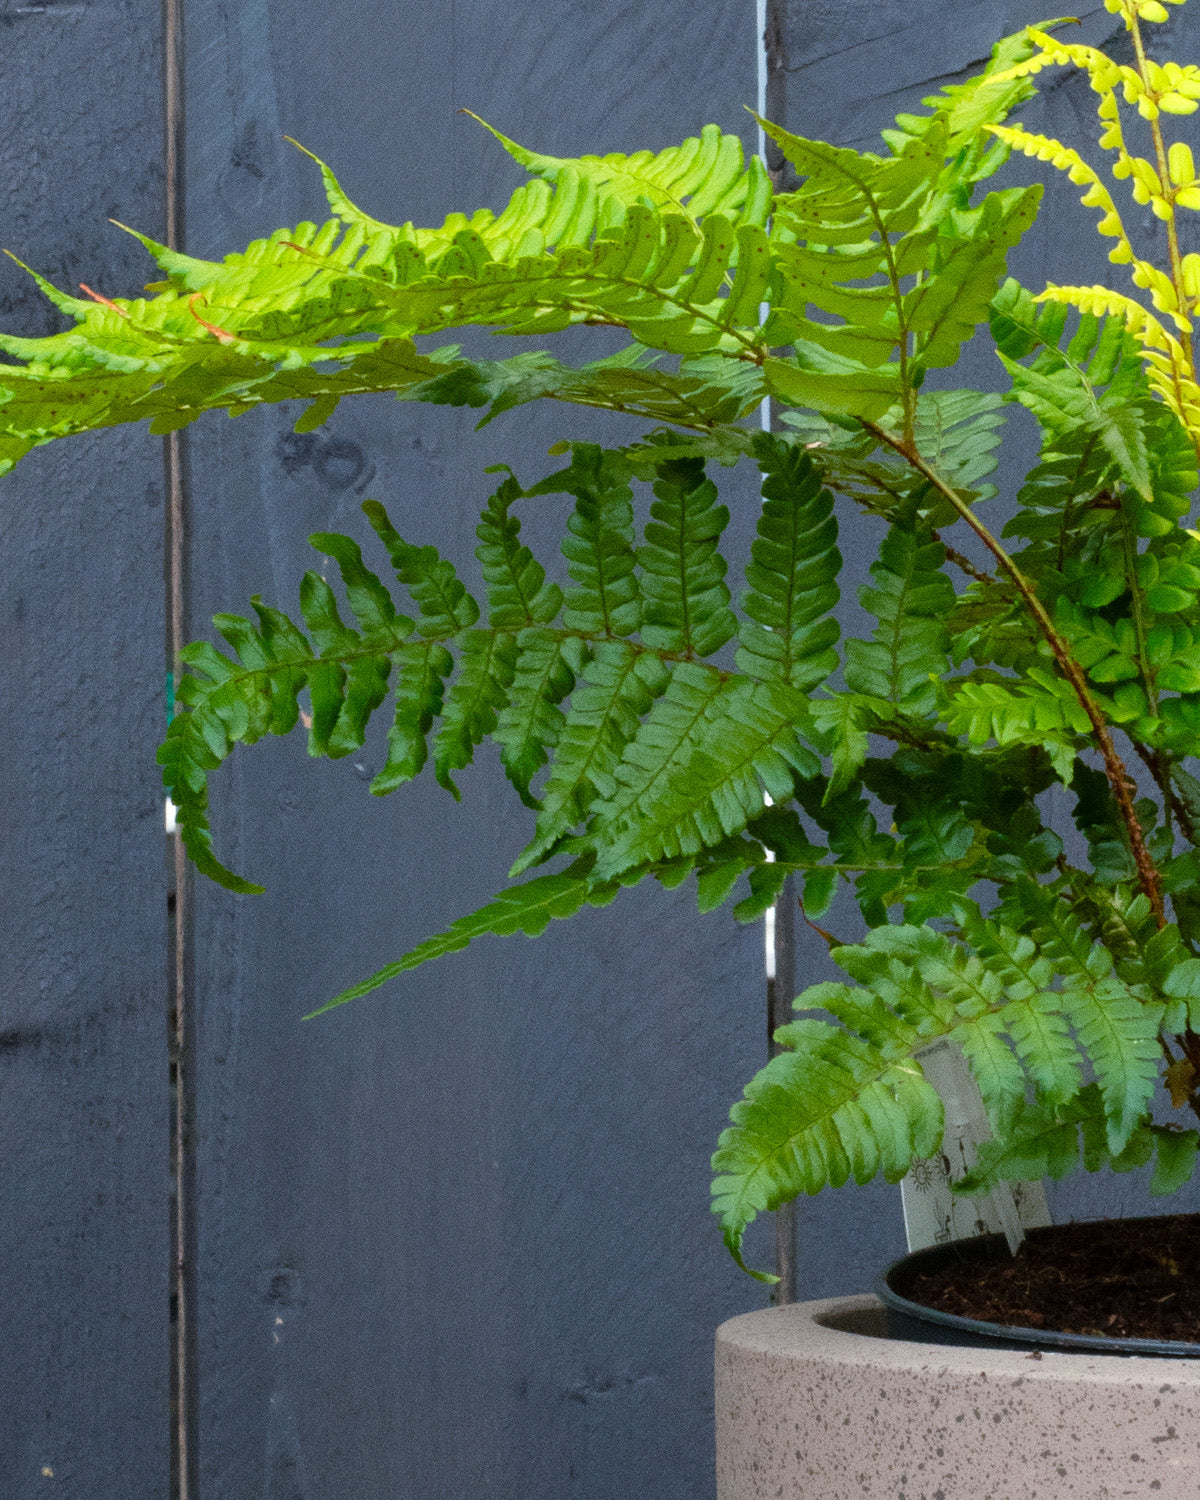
(454, 1240)
(84, 1251)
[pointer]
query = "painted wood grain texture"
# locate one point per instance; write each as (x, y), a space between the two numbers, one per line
(454, 1240)
(84, 1251)
(851, 67)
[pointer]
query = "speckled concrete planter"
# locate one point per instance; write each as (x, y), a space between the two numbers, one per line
(814, 1402)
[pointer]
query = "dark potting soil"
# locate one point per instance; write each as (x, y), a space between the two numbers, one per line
(1120, 1278)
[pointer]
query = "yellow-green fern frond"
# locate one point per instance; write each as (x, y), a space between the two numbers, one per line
(1140, 10)
(1168, 365)
(1147, 188)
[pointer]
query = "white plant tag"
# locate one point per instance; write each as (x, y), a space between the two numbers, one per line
(932, 1213)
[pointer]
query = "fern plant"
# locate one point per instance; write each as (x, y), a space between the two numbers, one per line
(661, 721)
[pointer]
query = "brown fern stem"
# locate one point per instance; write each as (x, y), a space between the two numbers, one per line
(1119, 780)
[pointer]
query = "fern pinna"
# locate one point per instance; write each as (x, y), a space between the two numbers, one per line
(661, 720)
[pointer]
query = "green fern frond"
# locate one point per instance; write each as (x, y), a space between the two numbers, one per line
(529, 725)
(598, 543)
(686, 602)
(1053, 1142)
(1095, 387)
(966, 109)
(748, 743)
(1040, 710)
(527, 908)
(517, 592)
(704, 174)
(848, 1097)
(236, 699)
(790, 631)
(286, 317)
(958, 433)
(664, 740)
(486, 667)
(1120, 1034)
(421, 672)
(444, 604)
(906, 290)
(955, 432)
(615, 690)
(1040, 1032)
(829, 1108)
(911, 599)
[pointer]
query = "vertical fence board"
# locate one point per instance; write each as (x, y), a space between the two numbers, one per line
(454, 1240)
(851, 68)
(84, 1252)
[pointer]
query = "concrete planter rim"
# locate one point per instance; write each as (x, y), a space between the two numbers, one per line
(815, 1402)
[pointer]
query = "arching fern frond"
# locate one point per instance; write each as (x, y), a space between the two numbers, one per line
(955, 432)
(1053, 1142)
(855, 244)
(828, 1108)
(527, 908)
(745, 740)
(683, 270)
(238, 699)
(847, 1097)
(607, 694)
(599, 542)
(704, 174)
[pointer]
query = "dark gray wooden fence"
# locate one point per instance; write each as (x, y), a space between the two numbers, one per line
(452, 1241)
(84, 1265)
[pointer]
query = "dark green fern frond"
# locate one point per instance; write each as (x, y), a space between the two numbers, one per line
(686, 602)
(1055, 1141)
(746, 742)
(444, 604)
(421, 672)
(848, 1097)
(598, 543)
(237, 699)
(486, 667)
(792, 589)
(1102, 425)
(527, 908)
(665, 738)
(517, 591)
(615, 690)
(911, 598)
(529, 725)
(955, 432)
(702, 393)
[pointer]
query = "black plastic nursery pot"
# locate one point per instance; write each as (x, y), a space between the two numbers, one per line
(910, 1319)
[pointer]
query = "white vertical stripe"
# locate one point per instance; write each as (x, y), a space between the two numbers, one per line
(761, 12)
